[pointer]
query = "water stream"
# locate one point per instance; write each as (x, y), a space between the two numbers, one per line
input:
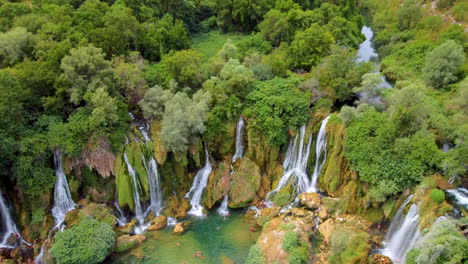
(461, 196)
(63, 202)
(9, 226)
(320, 154)
(199, 183)
(136, 187)
(295, 166)
(402, 234)
(223, 209)
(239, 140)
(121, 219)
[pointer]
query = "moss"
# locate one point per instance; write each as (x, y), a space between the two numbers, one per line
(349, 245)
(437, 196)
(218, 184)
(283, 197)
(245, 182)
(123, 183)
(160, 151)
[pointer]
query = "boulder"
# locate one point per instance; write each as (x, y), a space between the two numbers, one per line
(181, 227)
(326, 229)
(323, 213)
(310, 200)
(126, 242)
(266, 214)
(157, 223)
(245, 183)
(381, 259)
(128, 228)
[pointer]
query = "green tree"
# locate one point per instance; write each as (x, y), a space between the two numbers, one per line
(443, 64)
(14, 45)
(275, 27)
(184, 67)
(370, 91)
(309, 47)
(85, 70)
(153, 102)
(409, 14)
(87, 243)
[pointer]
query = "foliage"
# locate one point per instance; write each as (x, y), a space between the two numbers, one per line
(255, 255)
(89, 242)
(437, 195)
(348, 246)
(443, 63)
(291, 240)
(442, 243)
(310, 46)
(14, 45)
(184, 67)
(277, 106)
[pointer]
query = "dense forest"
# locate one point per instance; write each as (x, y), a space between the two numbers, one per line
(116, 105)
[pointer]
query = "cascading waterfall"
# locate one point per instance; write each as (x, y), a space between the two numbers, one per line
(295, 165)
(8, 224)
(239, 140)
(461, 196)
(402, 234)
(121, 219)
(320, 154)
(199, 183)
(139, 215)
(153, 179)
(223, 209)
(63, 202)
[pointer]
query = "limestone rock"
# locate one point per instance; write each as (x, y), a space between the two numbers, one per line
(381, 259)
(245, 183)
(126, 242)
(181, 227)
(323, 213)
(310, 200)
(157, 223)
(128, 228)
(326, 228)
(266, 214)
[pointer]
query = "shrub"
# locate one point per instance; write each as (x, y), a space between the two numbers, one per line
(437, 195)
(87, 243)
(290, 241)
(255, 255)
(298, 255)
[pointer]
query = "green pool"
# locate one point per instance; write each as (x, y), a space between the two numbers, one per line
(220, 241)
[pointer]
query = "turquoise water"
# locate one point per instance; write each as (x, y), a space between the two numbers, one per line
(220, 241)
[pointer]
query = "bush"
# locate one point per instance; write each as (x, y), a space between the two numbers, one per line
(87, 243)
(298, 255)
(255, 255)
(437, 195)
(291, 240)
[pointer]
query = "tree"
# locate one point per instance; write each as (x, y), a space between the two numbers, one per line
(184, 67)
(309, 47)
(184, 119)
(104, 109)
(153, 102)
(14, 45)
(442, 243)
(443, 64)
(85, 70)
(409, 14)
(87, 243)
(275, 27)
(371, 90)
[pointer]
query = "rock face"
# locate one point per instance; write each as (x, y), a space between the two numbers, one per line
(157, 223)
(177, 207)
(245, 183)
(381, 259)
(100, 212)
(310, 200)
(218, 183)
(101, 159)
(126, 242)
(181, 227)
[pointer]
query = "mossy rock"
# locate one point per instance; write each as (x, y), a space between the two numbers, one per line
(160, 151)
(245, 183)
(176, 207)
(218, 184)
(99, 212)
(126, 242)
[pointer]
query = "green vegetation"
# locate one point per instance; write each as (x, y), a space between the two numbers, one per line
(298, 253)
(89, 242)
(255, 255)
(442, 243)
(437, 196)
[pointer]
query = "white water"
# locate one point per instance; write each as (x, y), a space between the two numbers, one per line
(239, 140)
(402, 234)
(223, 209)
(140, 217)
(7, 223)
(461, 196)
(63, 202)
(39, 258)
(320, 154)
(171, 221)
(199, 183)
(121, 219)
(153, 179)
(294, 165)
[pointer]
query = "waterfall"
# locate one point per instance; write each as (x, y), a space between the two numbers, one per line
(223, 209)
(136, 196)
(199, 183)
(63, 202)
(461, 196)
(239, 140)
(153, 178)
(402, 234)
(121, 219)
(40, 258)
(320, 150)
(8, 224)
(295, 165)
(171, 221)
